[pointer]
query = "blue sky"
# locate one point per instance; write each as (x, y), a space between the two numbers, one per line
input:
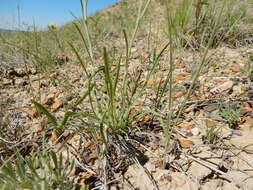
(43, 12)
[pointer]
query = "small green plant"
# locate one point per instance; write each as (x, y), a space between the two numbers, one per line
(111, 100)
(176, 22)
(44, 170)
(231, 113)
(193, 21)
(212, 135)
(58, 126)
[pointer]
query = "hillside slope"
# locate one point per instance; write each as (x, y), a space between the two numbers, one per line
(141, 95)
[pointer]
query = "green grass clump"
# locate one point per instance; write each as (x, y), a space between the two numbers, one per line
(44, 170)
(212, 135)
(193, 22)
(58, 126)
(111, 101)
(231, 113)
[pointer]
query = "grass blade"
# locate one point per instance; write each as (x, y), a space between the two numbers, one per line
(43, 110)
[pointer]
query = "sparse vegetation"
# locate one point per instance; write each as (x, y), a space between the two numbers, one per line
(231, 113)
(43, 170)
(212, 135)
(107, 85)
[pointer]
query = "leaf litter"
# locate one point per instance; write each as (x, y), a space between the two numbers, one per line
(140, 160)
(195, 160)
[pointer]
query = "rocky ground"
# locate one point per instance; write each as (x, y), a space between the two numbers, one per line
(211, 147)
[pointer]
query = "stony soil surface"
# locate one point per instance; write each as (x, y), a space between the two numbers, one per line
(194, 160)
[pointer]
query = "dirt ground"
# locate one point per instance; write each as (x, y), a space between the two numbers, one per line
(211, 147)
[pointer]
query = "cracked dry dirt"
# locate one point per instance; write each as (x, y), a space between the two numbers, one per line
(191, 163)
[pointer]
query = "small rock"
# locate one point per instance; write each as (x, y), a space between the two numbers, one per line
(238, 90)
(210, 123)
(236, 68)
(57, 104)
(223, 87)
(199, 171)
(236, 132)
(150, 167)
(195, 131)
(133, 50)
(7, 82)
(185, 143)
(31, 111)
(181, 76)
(38, 84)
(48, 100)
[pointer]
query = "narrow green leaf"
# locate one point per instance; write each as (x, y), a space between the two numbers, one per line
(108, 79)
(54, 157)
(43, 110)
(126, 41)
(79, 58)
(8, 170)
(29, 163)
(65, 119)
(116, 77)
(80, 100)
(20, 165)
